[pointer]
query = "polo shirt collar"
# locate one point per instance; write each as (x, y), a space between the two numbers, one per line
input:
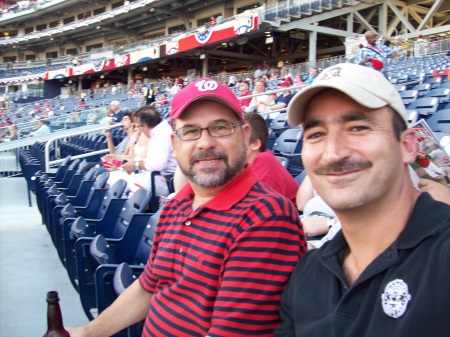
(426, 220)
(229, 196)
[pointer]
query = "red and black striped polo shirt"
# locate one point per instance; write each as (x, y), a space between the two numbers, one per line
(220, 270)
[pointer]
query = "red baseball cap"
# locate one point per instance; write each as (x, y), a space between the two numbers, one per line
(284, 84)
(206, 89)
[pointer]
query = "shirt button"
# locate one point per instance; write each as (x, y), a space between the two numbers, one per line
(187, 223)
(181, 250)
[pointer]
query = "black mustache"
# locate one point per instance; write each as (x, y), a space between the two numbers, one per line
(343, 166)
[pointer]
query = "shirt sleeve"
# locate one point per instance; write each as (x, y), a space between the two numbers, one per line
(158, 152)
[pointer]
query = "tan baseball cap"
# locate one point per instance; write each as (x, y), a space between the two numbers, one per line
(366, 86)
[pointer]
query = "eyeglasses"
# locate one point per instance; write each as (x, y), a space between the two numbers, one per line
(216, 130)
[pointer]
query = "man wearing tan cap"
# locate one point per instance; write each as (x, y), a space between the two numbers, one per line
(387, 272)
(225, 245)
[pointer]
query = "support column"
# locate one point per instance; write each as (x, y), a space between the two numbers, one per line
(205, 68)
(350, 22)
(129, 78)
(312, 49)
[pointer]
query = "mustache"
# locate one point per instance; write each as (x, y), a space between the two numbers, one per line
(342, 166)
(208, 154)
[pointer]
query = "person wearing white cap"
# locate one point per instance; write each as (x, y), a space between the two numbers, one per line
(387, 272)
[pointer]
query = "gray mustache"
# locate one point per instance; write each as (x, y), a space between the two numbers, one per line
(208, 154)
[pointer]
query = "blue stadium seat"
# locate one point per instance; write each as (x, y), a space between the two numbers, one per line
(409, 96)
(425, 106)
(423, 88)
(440, 121)
(114, 224)
(96, 256)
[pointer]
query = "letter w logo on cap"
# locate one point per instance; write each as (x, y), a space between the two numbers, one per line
(205, 85)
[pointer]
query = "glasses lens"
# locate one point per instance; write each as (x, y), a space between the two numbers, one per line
(221, 129)
(188, 133)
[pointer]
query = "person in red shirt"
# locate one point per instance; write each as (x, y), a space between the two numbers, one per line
(264, 163)
(244, 89)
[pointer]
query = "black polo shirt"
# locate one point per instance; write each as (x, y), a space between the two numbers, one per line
(403, 292)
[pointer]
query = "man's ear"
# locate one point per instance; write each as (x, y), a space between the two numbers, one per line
(409, 145)
(255, 146)
(173, 140)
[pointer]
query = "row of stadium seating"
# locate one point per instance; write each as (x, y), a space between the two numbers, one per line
(102, 238)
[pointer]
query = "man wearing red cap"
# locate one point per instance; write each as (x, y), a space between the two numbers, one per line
(225, 244)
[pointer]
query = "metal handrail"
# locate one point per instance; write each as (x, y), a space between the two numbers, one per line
(48, 163)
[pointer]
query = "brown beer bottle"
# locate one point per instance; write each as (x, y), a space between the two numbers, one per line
(54, 317)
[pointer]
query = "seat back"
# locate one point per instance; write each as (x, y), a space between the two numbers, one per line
(425, 105)
(145, 244)
(409, 96)
(423, 88)
(135, 204)
(279, 124)
(440, 121)
(288, 142)
(101, 180)
(115, 191)
(443, 94)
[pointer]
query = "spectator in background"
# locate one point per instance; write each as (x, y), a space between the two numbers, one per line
(373, 55)
(232, 80)
(43, 128)
(13, 132)
(81, 104)
(282, 100)
(264, 106)
(264, 163)
(159, 154)
(244, 90)
(115, 113)
(150, 95)
(312, 76)
(174, 88)
(298, 81)
(259, 88)
(288, 76)
(258, 73)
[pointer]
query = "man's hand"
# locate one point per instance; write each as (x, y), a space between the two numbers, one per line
(129, 167)
(82, 331)
(111, 157)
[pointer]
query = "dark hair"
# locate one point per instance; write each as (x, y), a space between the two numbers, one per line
(148, 115)
(259, 129)
(128, 114)
(398, 124)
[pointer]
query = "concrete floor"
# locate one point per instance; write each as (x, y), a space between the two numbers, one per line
(29, 268)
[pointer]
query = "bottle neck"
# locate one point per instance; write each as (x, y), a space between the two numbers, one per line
(54, 317)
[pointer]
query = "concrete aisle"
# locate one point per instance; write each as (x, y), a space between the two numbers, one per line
(29, 267)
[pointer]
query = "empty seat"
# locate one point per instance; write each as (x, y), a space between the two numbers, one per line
(423, 88)
(425, 106)
(443, 94)
(409, 96)
(440, 121)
